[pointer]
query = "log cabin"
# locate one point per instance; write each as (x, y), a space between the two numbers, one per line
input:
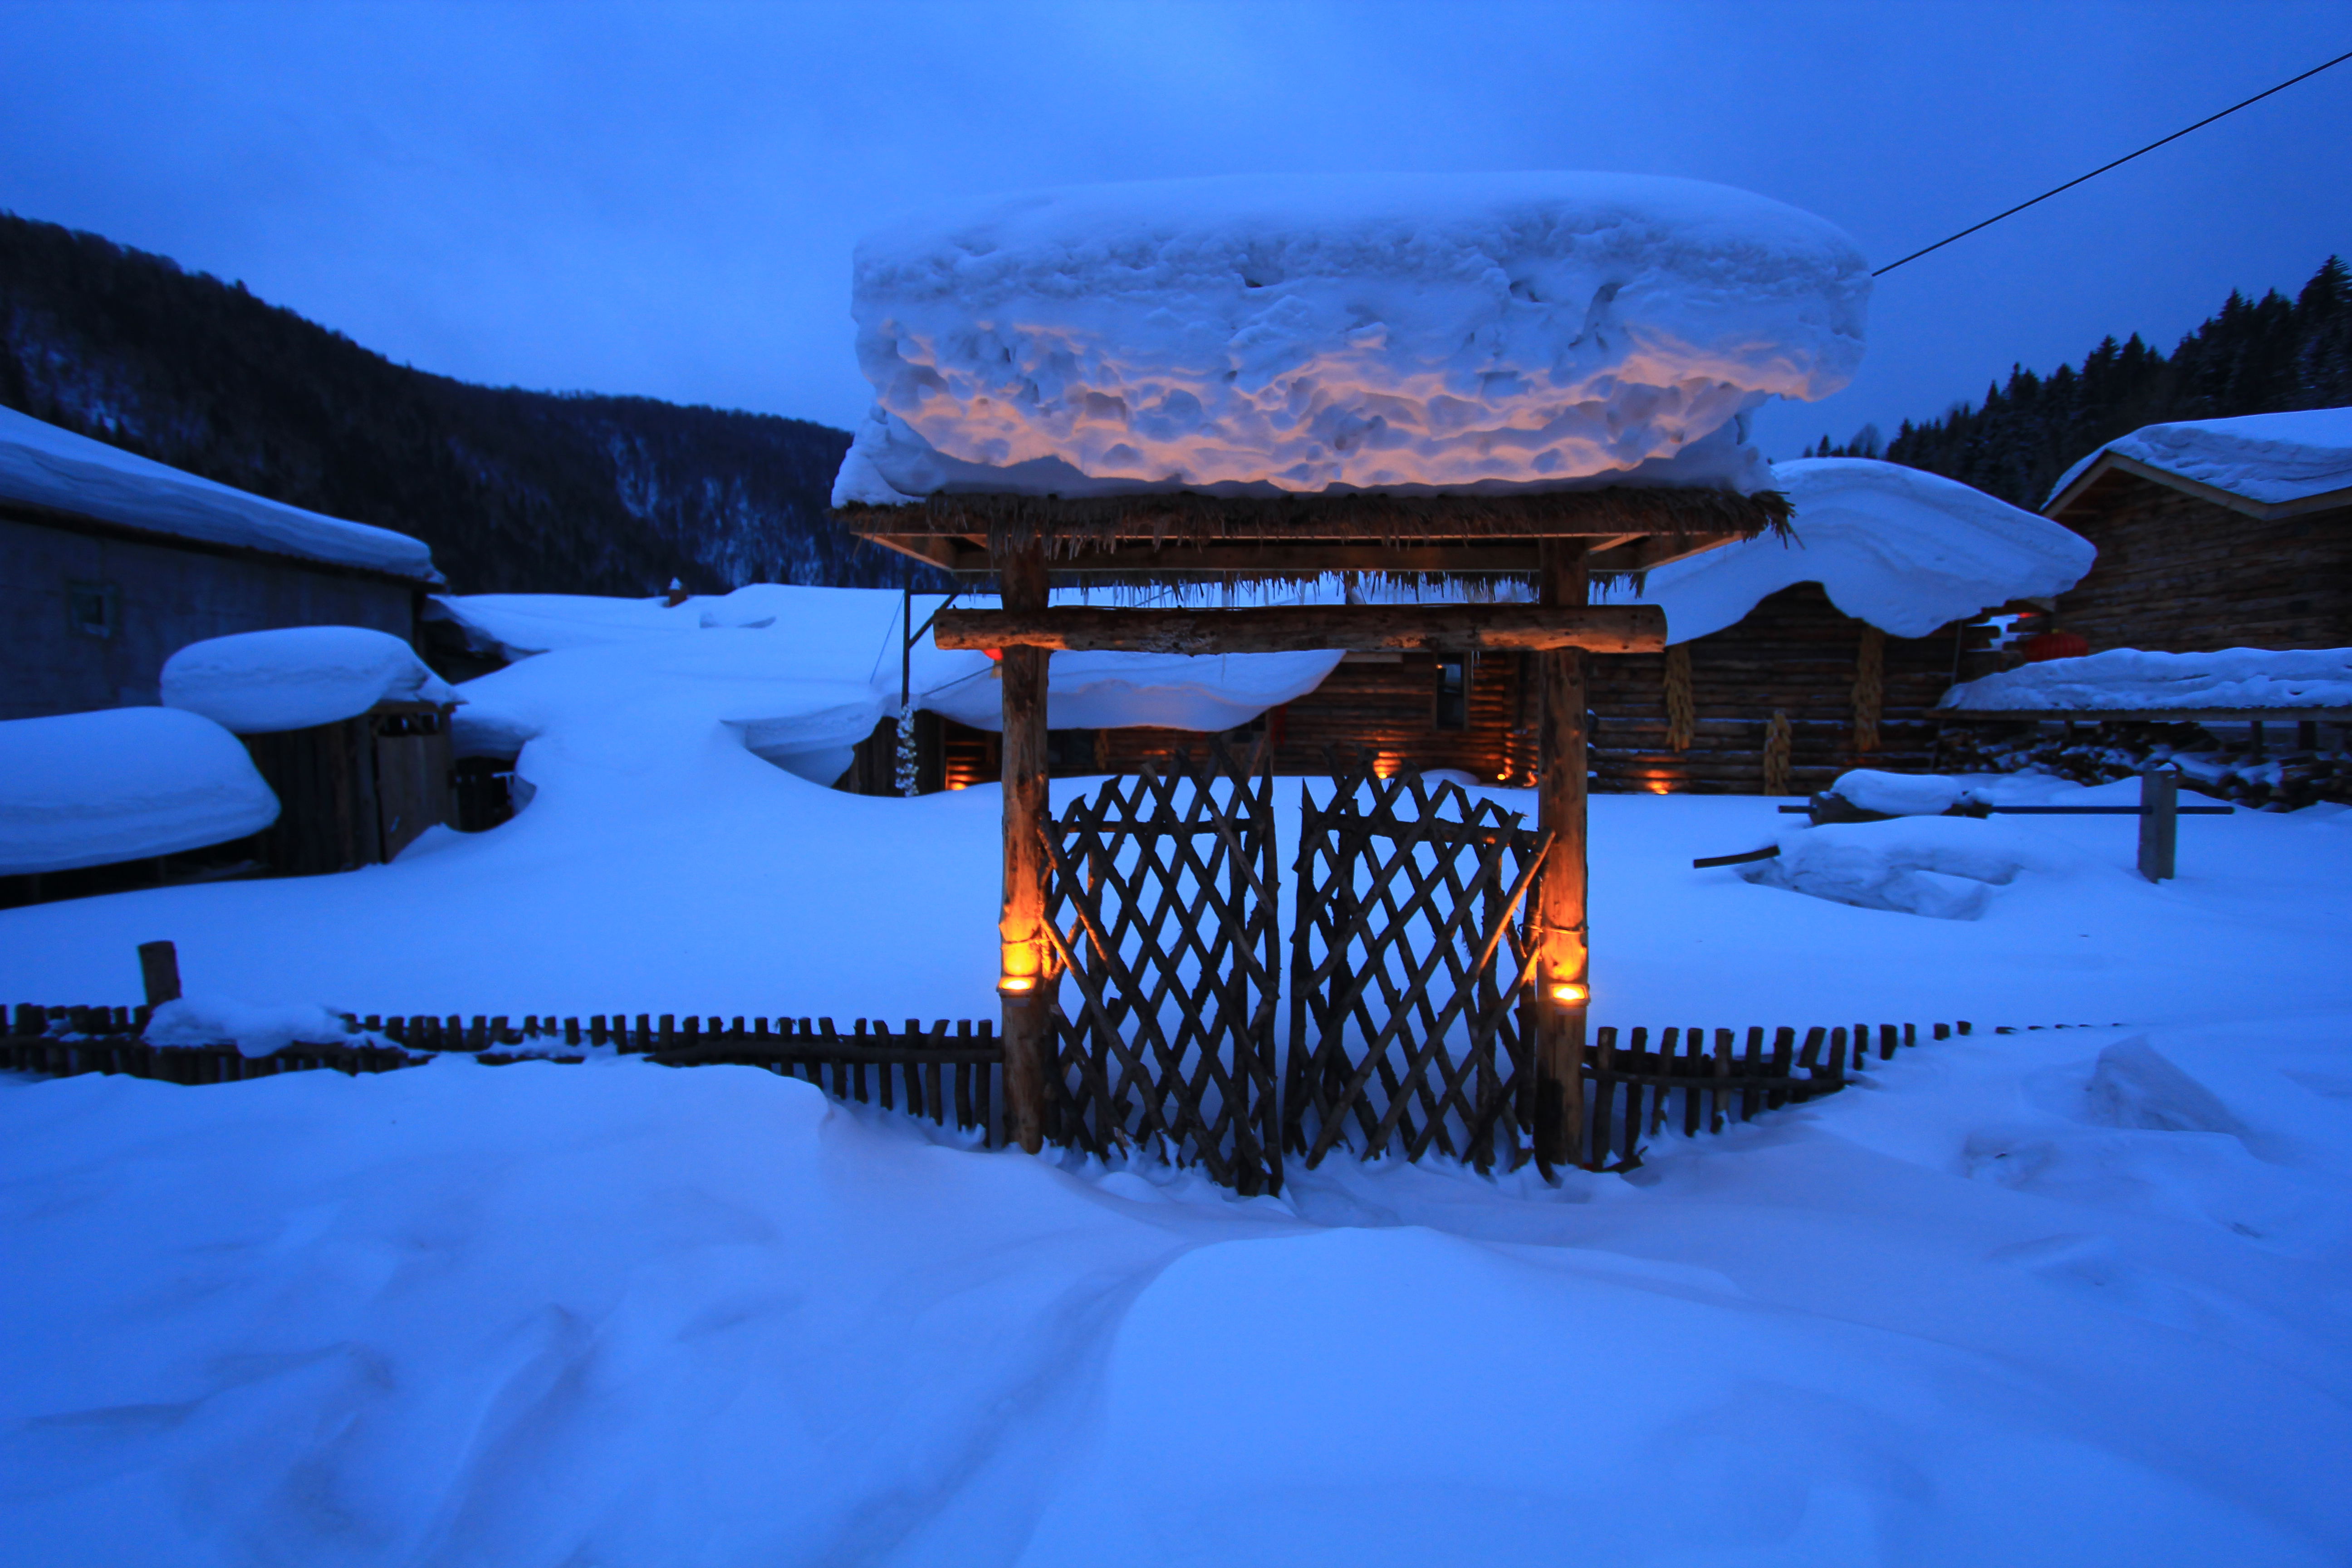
(2215, 533)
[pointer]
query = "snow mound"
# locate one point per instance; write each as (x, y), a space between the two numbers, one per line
(1904, 550)
(258, 1030)
(2133, 1086)
(1172, 691)
(293, 678)
(2267, 458)
(1944, 868)
(89, 789)
(2129, 679)
(1298, 333)
(1900, 794)
(47, 467)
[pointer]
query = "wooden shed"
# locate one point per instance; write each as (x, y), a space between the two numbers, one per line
(2215, 533)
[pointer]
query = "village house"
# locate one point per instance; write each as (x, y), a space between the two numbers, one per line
(2214, 533)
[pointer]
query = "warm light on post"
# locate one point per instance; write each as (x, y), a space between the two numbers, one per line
(1571, 993)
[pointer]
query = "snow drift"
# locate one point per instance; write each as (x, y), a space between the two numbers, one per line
(1904, 550)
(1941, 867)
(2267, 458)
(52, 468)
(293, 678)
(89, 789)
(2128, 680)
(1297, 333)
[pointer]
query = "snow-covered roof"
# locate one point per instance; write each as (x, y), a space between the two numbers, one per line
(293, 678)
(1905, 549)
(801, 675)
(2128, 680)
(41, 465)
(89, 789)
(2273, 460)
(1295, 333)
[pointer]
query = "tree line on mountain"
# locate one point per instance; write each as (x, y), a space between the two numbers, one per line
(514, 491)
(2270, 355)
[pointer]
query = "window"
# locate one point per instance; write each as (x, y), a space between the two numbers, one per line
(1454, 693)
(94, 608)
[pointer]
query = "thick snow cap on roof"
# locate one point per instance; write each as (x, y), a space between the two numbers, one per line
(2271, 458)
(89, 789)
(255, 682)
(2129, 679)
(1297, 333)
(41, 465)
(1903, 549)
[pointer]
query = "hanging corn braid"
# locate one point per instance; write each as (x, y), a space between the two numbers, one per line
(1869, 688)
(1777, 745)
(1682, 713)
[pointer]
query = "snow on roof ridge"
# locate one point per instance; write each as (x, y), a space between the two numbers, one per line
(44, 465)
(1903, 549)
(2270, 459)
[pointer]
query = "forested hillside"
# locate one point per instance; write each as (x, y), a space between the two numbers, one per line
(514, 491)
(2261, 356)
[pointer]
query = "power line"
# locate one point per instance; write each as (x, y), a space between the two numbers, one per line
(2105, 167)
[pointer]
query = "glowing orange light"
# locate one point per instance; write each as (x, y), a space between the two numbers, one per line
(1015, 984)
(1386, 763)
(1658, 786)
(1568, 993)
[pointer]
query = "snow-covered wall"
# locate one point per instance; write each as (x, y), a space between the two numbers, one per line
(1301, 333)
(2127, 679)
(2267, 458)
(89, 789)
(295, 677)
(1904, 550)
(44, 465)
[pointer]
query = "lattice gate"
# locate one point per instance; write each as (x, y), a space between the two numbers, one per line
(1407, 1033)
(1163, 902)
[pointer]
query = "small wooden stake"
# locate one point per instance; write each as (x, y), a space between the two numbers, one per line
(159, 969)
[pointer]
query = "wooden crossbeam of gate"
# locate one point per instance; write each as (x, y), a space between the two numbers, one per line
(1305, 628)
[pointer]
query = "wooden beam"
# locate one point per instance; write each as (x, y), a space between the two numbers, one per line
(1298, 628)
(1558, 926)
(1026, 976)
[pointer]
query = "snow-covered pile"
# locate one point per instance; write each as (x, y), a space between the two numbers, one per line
(52, 468)
(1904, 550)
(256, 1030)
(89, 789)
(1942, 866)
(1902, 794)
(1297, 333)
(2127, 679)
(293, 678)
(2267, 458)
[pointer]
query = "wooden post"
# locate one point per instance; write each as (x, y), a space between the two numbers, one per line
(1562, 978)
(2159, 823)
(1025, 983)
(158, 970)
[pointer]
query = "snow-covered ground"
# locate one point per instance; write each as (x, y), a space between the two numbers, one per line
(2066, 1296)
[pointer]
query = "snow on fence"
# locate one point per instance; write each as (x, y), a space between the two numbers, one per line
(947, 1068)
(951, 1069)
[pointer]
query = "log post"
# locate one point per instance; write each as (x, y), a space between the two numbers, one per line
(159, 971)
(2159, 823)
(1025, 982)
(1562, 982)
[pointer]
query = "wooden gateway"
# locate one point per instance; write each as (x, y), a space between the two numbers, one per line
(1557, 539)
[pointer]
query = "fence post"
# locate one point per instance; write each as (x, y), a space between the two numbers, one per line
(158, 970)
(1025, 982)
(1557, 930)
(2159, 823)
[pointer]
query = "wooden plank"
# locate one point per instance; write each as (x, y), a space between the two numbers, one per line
(1027, 968)
(1293, 628)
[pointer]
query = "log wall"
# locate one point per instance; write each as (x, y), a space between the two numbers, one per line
(2178, 574)
(1795, 654)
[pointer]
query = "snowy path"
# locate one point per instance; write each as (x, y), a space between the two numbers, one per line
(1987, 1309)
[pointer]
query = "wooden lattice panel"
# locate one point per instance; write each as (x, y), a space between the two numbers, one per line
(1406, 968)
(1162, 901)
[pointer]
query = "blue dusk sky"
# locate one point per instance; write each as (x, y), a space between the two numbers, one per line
(661, 200)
